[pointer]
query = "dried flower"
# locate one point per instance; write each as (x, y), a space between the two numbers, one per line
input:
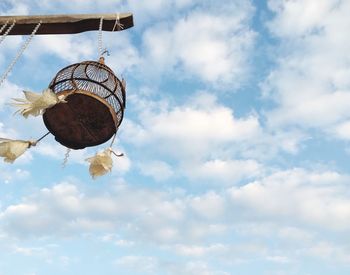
(10, 150)
(101, 163)
(36, 104)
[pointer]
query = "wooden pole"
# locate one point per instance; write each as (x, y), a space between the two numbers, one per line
(68, 23)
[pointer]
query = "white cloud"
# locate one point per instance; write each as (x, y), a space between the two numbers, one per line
(8, 91)
(159, 170)
(210, 56)
(311, 81)
(196, 267)
(283, 205)
(9, 175)
(7, 132)
(63, 209)
(124, 55)
(278, 259)
(144, 264)
(121, 165)
(124, 243)
(200, 251)
(343, 130)
(293, 234)
(295, 18)
(194, 129)
(204, 139)
(154, 265)
(328, 251)
(209, 205)
(18, 7)
(227, 171)
(293, 196)
(67, 47)
(15, 8)
(298, 196)
(31, 251)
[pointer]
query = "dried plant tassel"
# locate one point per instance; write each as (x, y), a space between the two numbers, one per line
(101, 163)
(36, 104)
(10, 150)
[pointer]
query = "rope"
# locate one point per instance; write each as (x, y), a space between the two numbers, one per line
(4, 26)
(7, 31)
(34, 143)
(118, 24)
(113, 139)
(110, 147)
(19, 54)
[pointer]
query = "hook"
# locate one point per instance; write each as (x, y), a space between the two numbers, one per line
(105, 51)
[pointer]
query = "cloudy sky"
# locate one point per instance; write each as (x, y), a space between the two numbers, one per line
(236, 141)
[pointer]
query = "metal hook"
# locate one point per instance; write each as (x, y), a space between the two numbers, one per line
(105, 51)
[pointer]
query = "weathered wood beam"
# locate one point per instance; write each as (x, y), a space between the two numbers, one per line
(67, 23)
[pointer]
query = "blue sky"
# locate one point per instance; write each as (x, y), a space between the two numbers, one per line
(236, 142)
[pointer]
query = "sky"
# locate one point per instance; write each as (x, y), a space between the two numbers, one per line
(235, 140)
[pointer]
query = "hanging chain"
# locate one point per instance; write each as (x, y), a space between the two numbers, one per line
(100, 46)
(7, 31)
(4, 26)
(19, 54)
(66, 156)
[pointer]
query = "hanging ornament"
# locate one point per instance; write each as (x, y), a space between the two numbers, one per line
(102, 163)
(36, 104)
(84, 103)
(10, 150)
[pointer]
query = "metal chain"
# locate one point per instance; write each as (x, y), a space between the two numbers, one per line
(100, 46)
(66, 156)
(7, 31)
(19, 54)
(4, 26)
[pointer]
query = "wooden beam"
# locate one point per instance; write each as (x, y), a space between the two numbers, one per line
(66, 24)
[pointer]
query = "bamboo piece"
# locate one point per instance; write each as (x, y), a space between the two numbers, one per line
(68, 23)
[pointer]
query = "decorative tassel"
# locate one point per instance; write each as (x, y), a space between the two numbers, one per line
(101, 163)
(10, 150)
(36, 104)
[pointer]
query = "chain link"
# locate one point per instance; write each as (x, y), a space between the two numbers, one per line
(4, 26)
(100, 46)
(19, 54)
(66, 156)
(7, 31)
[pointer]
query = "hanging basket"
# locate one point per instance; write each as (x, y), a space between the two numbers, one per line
(94, 109)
